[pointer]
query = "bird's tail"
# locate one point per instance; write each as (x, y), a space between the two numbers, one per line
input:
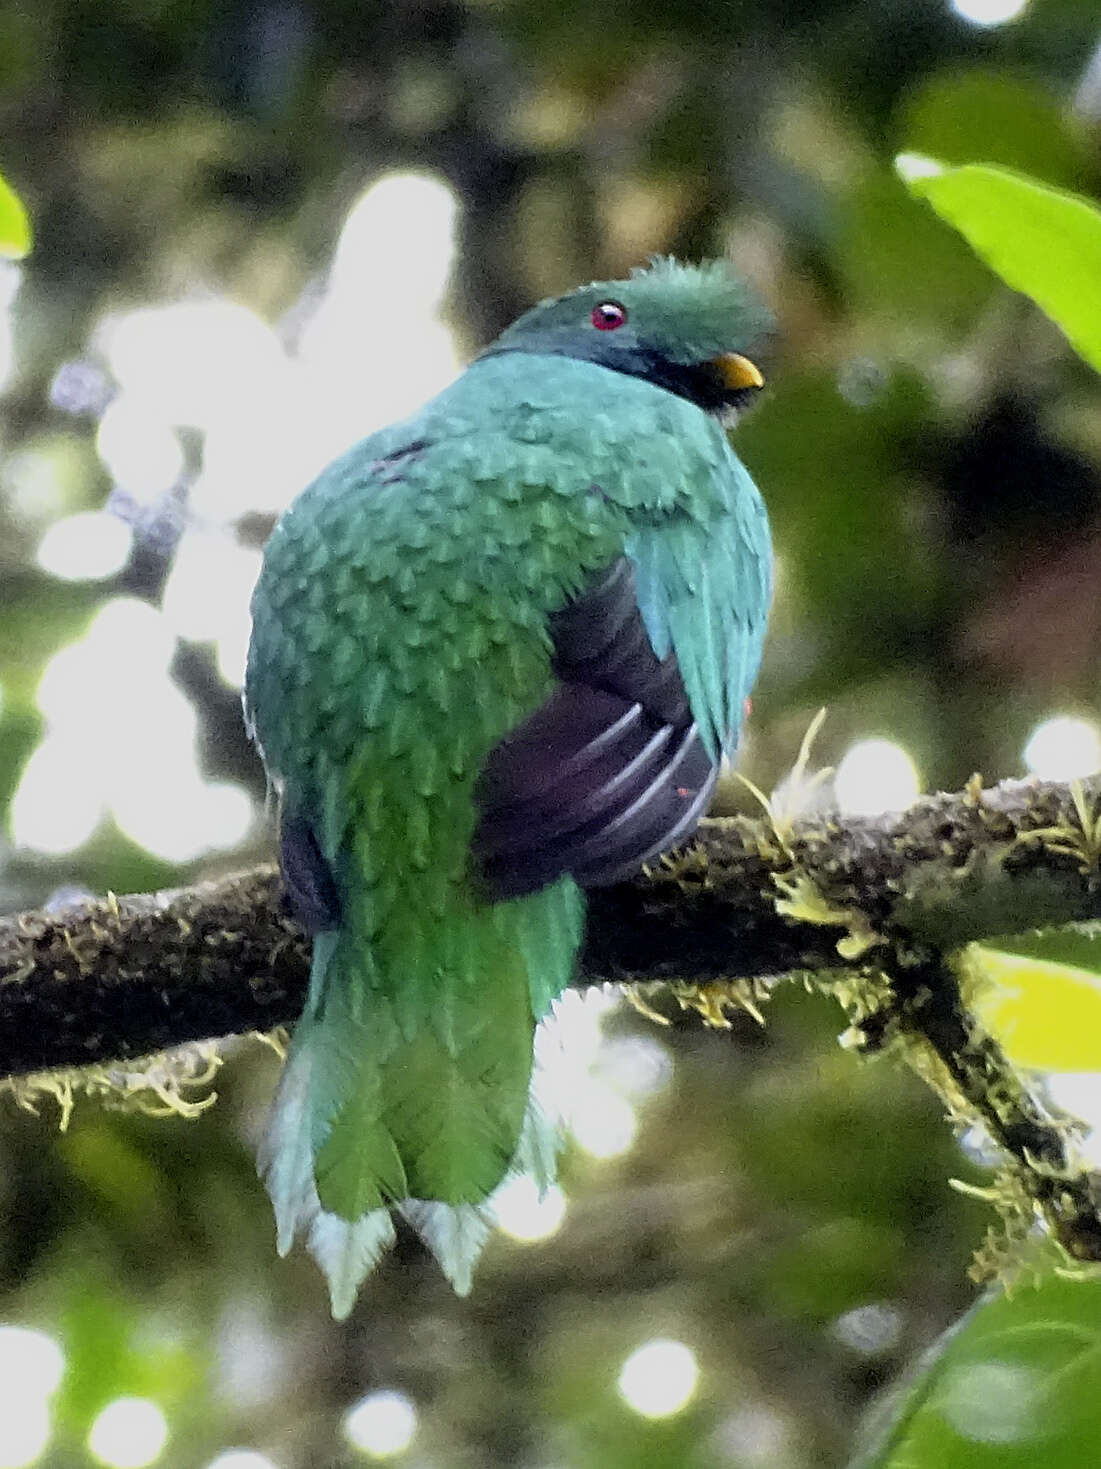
(348, 1250)
(383, 1104)
(456, 1233)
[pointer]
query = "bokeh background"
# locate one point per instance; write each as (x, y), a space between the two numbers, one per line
(266, 227)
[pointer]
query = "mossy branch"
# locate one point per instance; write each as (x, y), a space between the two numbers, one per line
(124, 977)
(875, 911)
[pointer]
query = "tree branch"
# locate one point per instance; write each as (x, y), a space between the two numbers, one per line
(120, 978)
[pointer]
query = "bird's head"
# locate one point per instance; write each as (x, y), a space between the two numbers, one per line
(685, 328)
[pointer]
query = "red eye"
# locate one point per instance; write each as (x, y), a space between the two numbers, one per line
(608, 315)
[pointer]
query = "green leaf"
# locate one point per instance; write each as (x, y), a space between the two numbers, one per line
(15, 229)
(1016, 1384)
(1039, 996)
(1042, 241)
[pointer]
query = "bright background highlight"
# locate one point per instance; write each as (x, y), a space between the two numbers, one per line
(659, 1379)
(31, 1368)
(875, 775)
(242, 1459)
(989, 12)
(129, 1433)
(269, 414)
(1063, 748)
(382, 1424)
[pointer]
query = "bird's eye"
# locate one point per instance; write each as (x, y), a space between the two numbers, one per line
(608, 315)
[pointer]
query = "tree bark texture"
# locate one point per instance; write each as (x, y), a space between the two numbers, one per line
(119, 978)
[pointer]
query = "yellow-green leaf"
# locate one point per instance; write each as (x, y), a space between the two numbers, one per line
(1042, 241)
(1039, 996)
(15, 228)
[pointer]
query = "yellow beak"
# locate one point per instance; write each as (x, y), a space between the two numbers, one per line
(737, 371)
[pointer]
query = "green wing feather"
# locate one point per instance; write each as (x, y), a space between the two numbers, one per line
(704, 586)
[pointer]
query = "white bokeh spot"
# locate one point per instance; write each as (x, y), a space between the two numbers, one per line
(121, 737)
(636, 1066)
(660, 1378)
(242, 1459)
(376, 348)
(602, 1121)
(129, 1433)
(987, 13)
(24, 1431)
(185, 362)
(382, 1424)
(1064, 748)
(88, 546)
(524, 1213)
(139, 449)
(31, 1368)
(207, 595)
(1079, 1094)
(875, 775)
(55, 809)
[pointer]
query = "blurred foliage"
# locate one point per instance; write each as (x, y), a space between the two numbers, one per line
(1044, 242)
(932, 461)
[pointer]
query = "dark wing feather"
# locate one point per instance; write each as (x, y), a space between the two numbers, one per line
(609, 771)
(307, 877)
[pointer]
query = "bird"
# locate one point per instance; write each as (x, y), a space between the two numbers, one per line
(499, 651)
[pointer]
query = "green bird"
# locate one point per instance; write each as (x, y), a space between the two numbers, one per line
(498, 652)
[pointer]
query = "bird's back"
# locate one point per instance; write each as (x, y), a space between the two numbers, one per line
(404, 625)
